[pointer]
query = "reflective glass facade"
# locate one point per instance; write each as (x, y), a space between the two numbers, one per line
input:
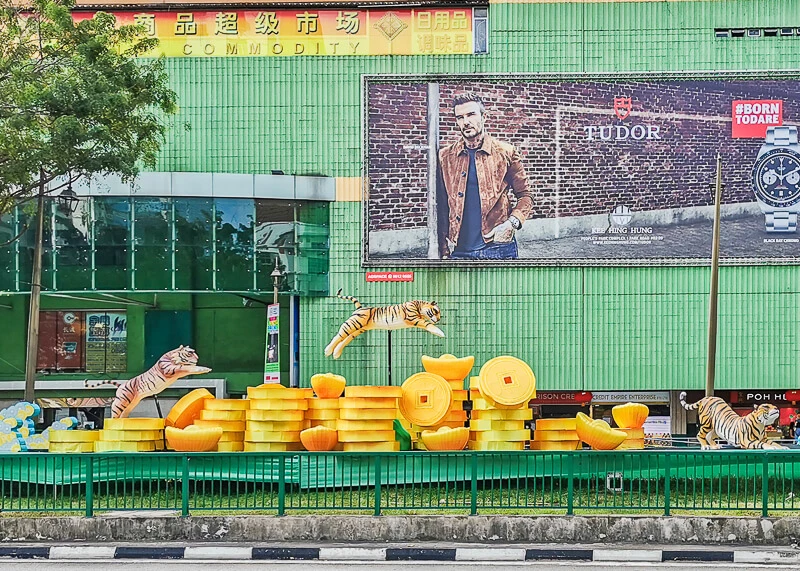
(170, 244)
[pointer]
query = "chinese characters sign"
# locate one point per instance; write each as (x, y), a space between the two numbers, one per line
(305, 32)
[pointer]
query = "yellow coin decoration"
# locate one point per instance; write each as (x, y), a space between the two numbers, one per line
(507, 381)
(426, 400)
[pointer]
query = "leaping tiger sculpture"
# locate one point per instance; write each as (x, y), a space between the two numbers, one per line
(421, 314)
(175, 364)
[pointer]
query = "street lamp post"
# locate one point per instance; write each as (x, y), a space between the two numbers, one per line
(68, 200)
(277, 276)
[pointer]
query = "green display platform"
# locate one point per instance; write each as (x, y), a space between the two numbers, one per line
(341, 470)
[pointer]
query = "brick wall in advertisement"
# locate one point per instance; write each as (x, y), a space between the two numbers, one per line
(689, 121)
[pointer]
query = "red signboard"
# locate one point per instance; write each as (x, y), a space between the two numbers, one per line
(561, 397)
(390, 276)
(751, 118)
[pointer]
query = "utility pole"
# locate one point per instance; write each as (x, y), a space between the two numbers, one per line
(711, 361)
(32, 346)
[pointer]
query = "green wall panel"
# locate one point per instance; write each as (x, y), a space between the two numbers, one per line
(580, 328)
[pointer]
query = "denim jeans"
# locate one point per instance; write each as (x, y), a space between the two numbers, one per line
(507, 251)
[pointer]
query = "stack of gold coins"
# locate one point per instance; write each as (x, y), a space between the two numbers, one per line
(426, 400)
(555, 434)
(229, 415)
(493, 428)
(453, 370)
(276, 418)
(72, 440)
(130, 435)
(366, 419)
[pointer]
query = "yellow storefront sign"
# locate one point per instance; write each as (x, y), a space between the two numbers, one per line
(307, 32)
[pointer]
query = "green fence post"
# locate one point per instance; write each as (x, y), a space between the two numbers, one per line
(282, 485)
(764, 484)
(667, 478)
(473, 493)
(570, 485)
(89, 486)
(378, 485)
(185, 486)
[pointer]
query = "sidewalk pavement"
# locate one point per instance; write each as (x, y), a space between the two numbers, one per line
(407, 552)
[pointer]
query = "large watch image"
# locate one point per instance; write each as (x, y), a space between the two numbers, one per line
(776, 179)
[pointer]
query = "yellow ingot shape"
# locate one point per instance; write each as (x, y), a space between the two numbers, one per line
(263, 436)
(597, 433)
(426, 400)
(71, 447)
(277, 426)
(446, 438)
(352, 425)
(193, 438)
(518, 414)
(630, 415)
(319, 439)
(323, 404)
(105, 446)
(188, 408)
(328, 385)
(363, 436)
(324, 414)
(502, 435)
(358, 402)
(448, 366)
(487, 424)
(632, 444)
(495, 445)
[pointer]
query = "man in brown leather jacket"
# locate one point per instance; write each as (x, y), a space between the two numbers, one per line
(477, 172)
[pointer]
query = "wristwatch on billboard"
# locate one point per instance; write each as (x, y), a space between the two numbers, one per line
(776, 179)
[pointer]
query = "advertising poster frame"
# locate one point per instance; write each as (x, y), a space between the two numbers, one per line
(641, 194)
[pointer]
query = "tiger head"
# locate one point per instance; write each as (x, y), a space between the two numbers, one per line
(430, 311)
(183, 355)
(766, 414)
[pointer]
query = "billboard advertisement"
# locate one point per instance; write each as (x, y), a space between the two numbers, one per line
(601, 170)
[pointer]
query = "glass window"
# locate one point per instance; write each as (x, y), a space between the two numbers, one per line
(274, 239)
(73, 248)
(112, 223)
(193, 244)
(83, 341)
(28, 242)
(234, 243)
(8, 252)
(152, 243)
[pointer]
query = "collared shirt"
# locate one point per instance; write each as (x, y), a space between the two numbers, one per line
(499, 167)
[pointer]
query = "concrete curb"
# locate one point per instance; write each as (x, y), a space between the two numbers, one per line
(489, 554)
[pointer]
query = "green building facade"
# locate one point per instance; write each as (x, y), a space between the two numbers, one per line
(580, 328)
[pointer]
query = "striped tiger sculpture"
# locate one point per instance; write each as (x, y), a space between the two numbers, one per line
(421, 314)
(175, 364)
(717, 419)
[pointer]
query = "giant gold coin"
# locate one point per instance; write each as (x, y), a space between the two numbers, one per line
(426, 399)
(226, 404)
(507, 381)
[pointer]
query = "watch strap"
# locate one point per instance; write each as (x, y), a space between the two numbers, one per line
(781, 221)
(782, 136)
(516, 223)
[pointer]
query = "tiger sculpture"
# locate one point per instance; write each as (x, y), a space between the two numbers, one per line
(717, 419)
(421, 314)
(173, 365)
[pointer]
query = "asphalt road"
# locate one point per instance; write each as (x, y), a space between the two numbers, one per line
(49, 565)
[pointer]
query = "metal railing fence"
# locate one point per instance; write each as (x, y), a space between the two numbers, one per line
(650, 482)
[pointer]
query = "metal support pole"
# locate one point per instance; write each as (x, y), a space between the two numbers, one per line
(711, 362)
(389, 351)
(32, 346)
